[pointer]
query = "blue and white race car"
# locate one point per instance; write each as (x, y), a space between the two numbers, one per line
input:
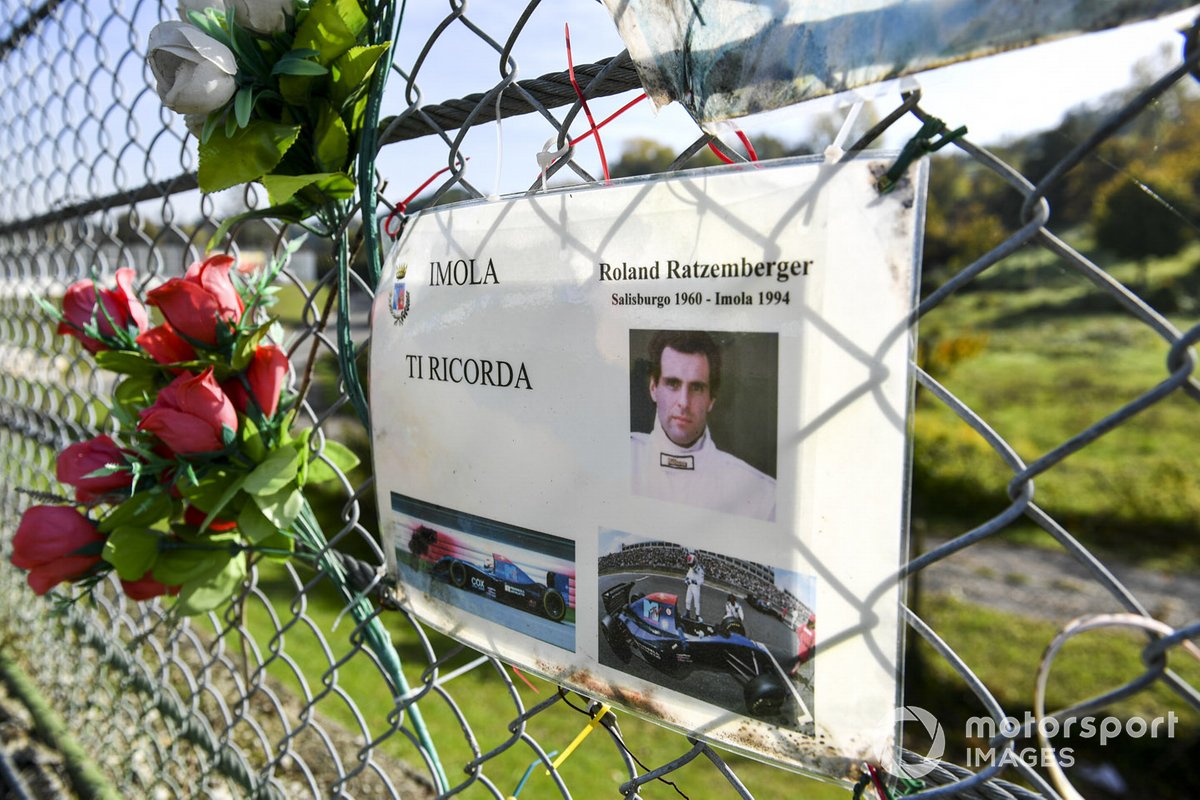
(505, 582)
(651, 626)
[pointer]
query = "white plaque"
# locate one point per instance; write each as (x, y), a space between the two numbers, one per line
(635, 439)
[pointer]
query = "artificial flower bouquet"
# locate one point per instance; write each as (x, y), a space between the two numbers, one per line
(276, 92)
(202, 468)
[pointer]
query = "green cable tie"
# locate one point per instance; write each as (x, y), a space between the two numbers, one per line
(922, 144)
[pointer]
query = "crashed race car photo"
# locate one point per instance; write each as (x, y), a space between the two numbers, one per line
(505, 582)
(651, 626)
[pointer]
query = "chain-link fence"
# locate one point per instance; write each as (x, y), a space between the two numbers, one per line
(276, 696)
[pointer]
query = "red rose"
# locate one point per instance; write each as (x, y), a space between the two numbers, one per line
(83, 458)
(213, 275)
(194, 516)
(48, 542)
(189, 414)
(166, 347)
(195, 303)
(145, 588)
(266, 374)
(122, 305)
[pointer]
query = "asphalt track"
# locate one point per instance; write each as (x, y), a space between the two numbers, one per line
(560, 634)
(716, 687)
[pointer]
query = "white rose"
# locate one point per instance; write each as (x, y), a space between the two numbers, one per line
(199, 5)
(263, 16)
(195, 72)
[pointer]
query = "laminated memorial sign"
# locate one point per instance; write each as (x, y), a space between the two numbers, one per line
(637, 439)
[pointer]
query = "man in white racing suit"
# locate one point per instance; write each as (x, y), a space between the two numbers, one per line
(678, 461)
(733, 608)
(694, 579)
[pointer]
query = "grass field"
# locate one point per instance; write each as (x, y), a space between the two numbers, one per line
(1041, 366)
(484, 701)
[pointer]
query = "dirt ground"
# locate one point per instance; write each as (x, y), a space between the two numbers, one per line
(1050, 584)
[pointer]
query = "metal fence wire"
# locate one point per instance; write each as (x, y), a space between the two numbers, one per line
(272, 697)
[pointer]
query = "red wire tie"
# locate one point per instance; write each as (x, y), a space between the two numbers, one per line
(583, 100)
(749, 147)
(403, 204)
(745, 140)
(611, 117)
(521, 675)
(878, 783)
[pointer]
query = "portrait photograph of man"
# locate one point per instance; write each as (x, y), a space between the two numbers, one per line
(704, 419)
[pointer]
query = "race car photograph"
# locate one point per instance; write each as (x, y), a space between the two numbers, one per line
(650, 627)
(501, 574)
(682, 618)
(505, 582)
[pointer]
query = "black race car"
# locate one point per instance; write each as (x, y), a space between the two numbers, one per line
(505, 582)
(651, 626)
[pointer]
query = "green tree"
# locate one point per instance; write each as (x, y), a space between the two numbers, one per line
(1139, 218)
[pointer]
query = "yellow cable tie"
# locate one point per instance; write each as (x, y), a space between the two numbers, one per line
(583, 734)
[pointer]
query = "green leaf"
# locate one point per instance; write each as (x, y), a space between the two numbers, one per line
(331, 28)
(204, 492)
(214, 491)
(296, 89)
(143, 509)
(135, 391)
(287, 213)
(208, 21)
(126, 363)
(181, 564)
(282, 188)
(254, 525)
(342, 458)
(301, 445)
(110, 468)
(49, 309)
(352, 70)
(198, 596)
(210, 125)
(333, 142)
(338, 186)
(132, 551)
(298, 66)
(249, 53)
(358, 112)
(252, 442)
(276, 472)
(247, 343)
(123, 416)
(228, 159)
(243, 103)
(281, 508)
